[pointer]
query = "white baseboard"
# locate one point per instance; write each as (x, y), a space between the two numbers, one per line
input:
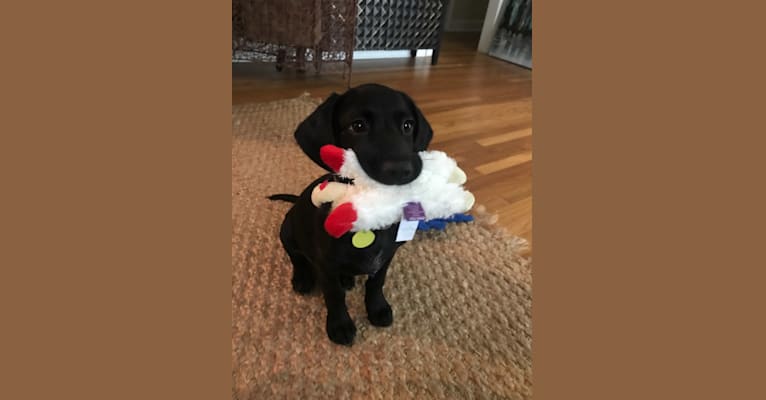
(372, 54)
(377, 54)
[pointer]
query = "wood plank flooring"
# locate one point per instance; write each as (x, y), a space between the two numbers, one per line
(479, 107)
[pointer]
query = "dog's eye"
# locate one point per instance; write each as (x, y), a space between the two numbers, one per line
(407, 127)
(359, 126)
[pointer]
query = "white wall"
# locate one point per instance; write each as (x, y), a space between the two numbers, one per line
(490, 24)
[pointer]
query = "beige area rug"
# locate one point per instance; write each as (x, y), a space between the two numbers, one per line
(461, 298)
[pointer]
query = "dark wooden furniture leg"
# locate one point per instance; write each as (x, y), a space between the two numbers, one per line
(300, 58)
(435, 54)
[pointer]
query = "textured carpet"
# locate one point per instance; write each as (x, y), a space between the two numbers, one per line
(461, 298)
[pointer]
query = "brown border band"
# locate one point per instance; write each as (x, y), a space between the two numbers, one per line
(116, 148)
(648, 200)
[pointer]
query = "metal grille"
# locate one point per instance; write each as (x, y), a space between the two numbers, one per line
(398, 24)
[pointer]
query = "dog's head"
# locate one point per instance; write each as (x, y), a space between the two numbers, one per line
(383, 127)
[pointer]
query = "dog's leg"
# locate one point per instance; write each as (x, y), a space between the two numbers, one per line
(347, 282)
(303, 276)
(378, 310)
(340, 327)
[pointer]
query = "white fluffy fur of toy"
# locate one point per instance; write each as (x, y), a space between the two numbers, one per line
(438, 188)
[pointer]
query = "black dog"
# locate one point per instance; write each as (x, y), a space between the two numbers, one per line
(386, 131)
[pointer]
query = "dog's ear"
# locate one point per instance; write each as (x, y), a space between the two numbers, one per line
(423, 132)
(317, 130)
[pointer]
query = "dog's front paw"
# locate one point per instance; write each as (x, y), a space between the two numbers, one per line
(383, 316)
(341, 330)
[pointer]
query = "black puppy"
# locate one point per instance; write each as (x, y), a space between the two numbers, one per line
(386, 131)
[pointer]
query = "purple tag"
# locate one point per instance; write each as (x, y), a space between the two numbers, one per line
(414, 212)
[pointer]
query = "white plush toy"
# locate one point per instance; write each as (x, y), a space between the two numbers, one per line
(368, 205)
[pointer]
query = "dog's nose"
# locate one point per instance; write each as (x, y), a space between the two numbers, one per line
(397, 170)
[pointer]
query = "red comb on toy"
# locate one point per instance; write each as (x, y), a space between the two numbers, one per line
(340, 220)
(332, 156)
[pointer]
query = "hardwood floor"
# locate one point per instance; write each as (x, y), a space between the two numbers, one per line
(480, 109)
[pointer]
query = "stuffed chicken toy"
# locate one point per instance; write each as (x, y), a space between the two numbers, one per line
(366, 205)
